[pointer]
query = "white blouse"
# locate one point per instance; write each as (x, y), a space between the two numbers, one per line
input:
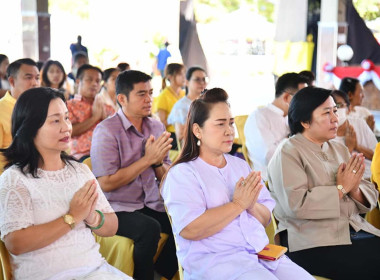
(26, 201)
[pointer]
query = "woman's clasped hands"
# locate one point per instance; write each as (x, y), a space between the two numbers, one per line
(349, 174)
(82, 205)
(247, 190)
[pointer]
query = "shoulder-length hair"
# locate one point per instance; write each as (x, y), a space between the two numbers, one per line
(45, 69)
(29, 114)
(302, 106)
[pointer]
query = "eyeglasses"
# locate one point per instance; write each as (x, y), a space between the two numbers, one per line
(200, 80)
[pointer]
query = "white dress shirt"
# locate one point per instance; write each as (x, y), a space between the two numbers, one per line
(264, 130)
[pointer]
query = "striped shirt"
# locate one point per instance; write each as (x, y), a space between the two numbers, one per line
(116, 144)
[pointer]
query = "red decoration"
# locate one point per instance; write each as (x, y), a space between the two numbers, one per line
(365, 72)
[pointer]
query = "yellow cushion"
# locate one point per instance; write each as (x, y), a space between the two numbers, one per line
(118, 252)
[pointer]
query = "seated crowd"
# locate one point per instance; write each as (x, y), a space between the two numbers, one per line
(311, 151)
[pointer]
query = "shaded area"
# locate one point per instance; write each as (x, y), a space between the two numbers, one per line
(189, 44)
(360, 38)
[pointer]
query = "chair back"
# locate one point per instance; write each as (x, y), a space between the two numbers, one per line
(87, 162)
(180, 268)
(240, 122)
(5, 263)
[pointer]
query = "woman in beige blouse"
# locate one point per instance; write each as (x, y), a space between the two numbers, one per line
(320, 193)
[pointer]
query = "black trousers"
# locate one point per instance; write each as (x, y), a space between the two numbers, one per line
(144, 227)
(361, 260)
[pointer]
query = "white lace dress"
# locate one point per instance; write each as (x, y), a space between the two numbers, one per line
(27, 201)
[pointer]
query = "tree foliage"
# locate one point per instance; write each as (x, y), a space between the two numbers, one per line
(209, 10)
(76, 7)
(368, 9)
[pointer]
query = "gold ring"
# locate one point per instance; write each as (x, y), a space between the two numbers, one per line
(242, 183)
(354, 171)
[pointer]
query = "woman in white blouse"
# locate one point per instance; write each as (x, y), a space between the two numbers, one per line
(354, 90)
(49, 203)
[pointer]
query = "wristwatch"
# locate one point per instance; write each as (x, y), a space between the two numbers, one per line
(340, 187)
(68, 219)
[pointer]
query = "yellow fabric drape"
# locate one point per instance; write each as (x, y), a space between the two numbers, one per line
(292, 57)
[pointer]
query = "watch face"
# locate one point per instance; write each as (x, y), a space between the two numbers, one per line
(340, 187)
(69, 219)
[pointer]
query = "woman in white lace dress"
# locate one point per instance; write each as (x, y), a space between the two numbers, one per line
(49, 203)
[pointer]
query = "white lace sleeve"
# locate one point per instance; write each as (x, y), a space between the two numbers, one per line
(16, 210)
(102, 204)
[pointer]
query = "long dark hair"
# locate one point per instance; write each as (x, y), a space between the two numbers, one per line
(199, 113)
(45, 69)
(29, 114)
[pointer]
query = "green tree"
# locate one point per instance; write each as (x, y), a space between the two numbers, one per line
(368, 9)
(208, 10)
(76, 7)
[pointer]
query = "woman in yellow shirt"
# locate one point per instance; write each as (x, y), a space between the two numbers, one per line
(175, 73)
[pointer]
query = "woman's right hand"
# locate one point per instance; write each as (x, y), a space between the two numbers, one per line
(350, 174)
(351, 140)
(83, 201)
(247, 190)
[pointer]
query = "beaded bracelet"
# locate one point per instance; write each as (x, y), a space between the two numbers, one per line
(157, 165)
(101, 222)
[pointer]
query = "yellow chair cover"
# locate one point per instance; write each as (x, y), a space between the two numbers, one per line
(240, 122)
(118, 252)
(179, 275)
(373, 217)
(6, 268)
(87, 162)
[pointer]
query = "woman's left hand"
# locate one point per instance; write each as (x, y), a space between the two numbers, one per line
(92, 216)
(254, 180)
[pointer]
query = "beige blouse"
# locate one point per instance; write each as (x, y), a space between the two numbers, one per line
(302, 180)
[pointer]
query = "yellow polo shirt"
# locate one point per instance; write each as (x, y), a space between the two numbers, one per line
(165, 101)
(7, 103)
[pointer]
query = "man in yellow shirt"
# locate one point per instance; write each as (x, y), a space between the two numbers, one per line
(22, 75)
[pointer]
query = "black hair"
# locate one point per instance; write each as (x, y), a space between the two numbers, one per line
(302, 106)
(2, 57)
(14, 67)
(79, 55)
(86, 67)
(288, 83)
(45, 69)
(126, 80)
(341, 94)
(348, 85)
(309, 76)
(199, 113)
(122, 66)
(189, 73)
(191, 70)
(108, 72)
(171, 69)
(28, 117)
